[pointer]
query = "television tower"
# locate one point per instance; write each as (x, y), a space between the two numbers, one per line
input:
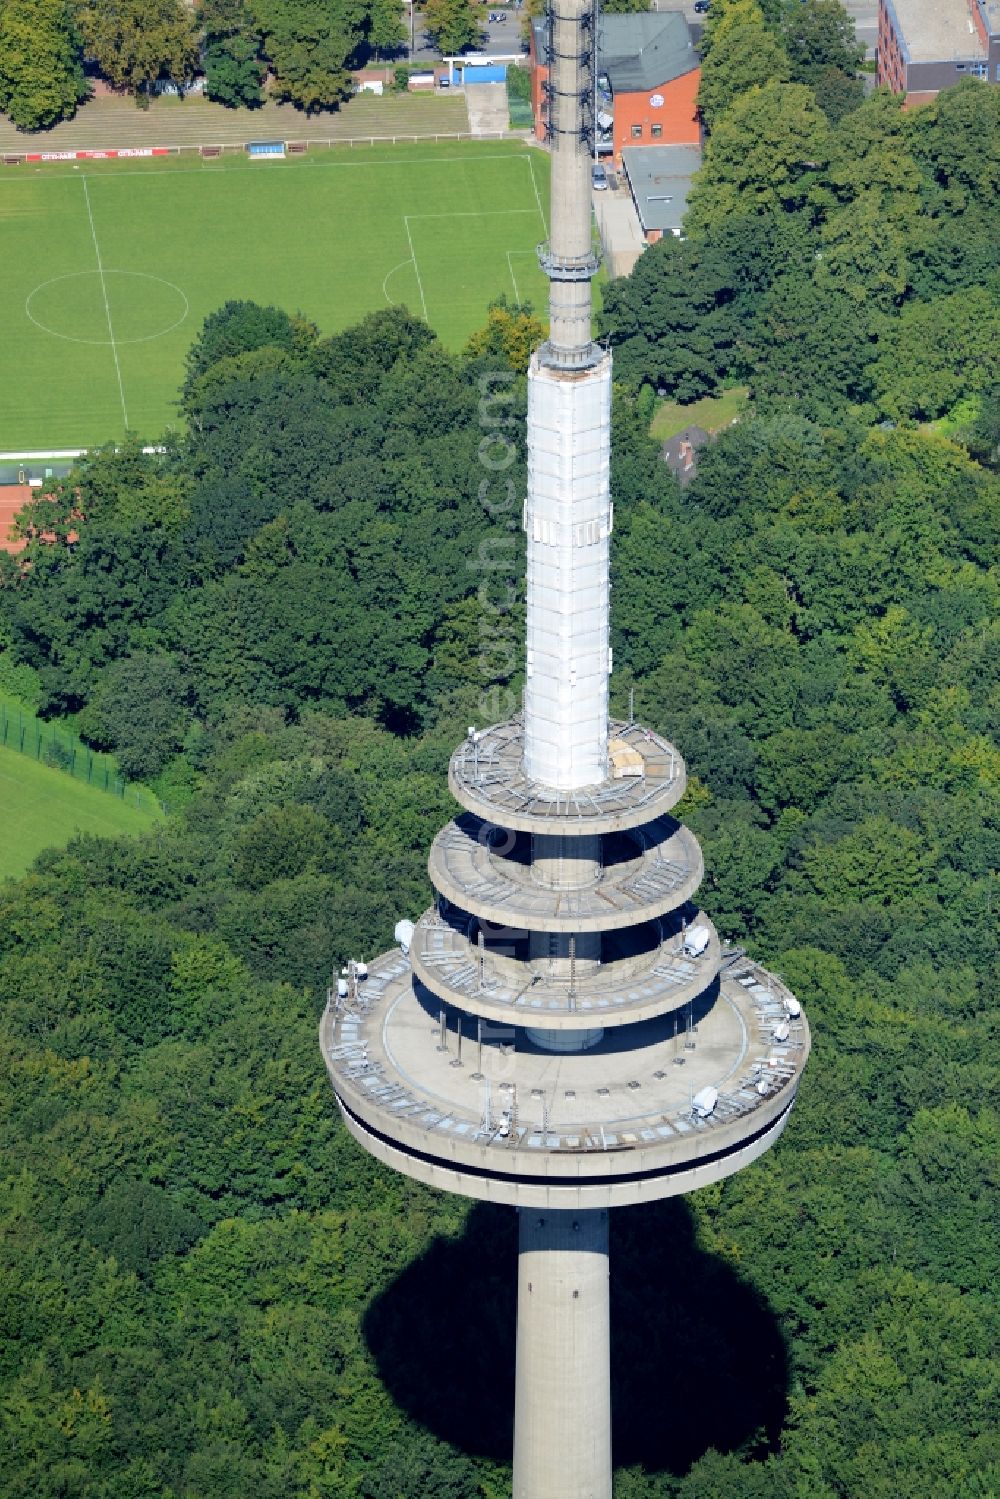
(563, 1031)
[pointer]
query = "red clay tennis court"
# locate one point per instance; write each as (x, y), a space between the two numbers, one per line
(12, 498)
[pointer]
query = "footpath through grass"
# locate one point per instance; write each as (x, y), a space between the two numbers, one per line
(110, 268)
(45, 808)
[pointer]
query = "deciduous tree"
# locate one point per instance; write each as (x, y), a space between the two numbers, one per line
(809, 348)
(140, 712)
(744, 53)
(310, 44)
(41, 73)
(385, 27)
(510, 334)
(936, 352)
(455, 25)
(670, 320)
(137, 42)
(234, 69)
(766, 155)
(819, 35)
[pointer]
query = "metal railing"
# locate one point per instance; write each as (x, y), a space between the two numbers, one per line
(120, 153)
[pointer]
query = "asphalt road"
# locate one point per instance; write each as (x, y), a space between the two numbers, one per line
(504, 38)
(865, 16)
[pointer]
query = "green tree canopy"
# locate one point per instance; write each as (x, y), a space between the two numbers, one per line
(137, 42)
(935, 352)
(511, 334)
(809, 348)
(671, 319)
(41, 73)
(195, 1257)
(818, 36)
(354, 364)
(385, 27)
(455, 25)
(744, 53)
(764, 156)
(239, 328)
(140, 712)
(810, 234)
(310, 45)
(234, 69)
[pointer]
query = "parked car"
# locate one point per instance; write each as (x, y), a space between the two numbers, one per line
(700, 7)
(600, 178)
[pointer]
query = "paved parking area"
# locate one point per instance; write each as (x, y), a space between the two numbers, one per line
(501, 38)
(487, 103)
(618, 224)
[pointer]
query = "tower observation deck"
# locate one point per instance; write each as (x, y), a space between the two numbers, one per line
(563, 1031)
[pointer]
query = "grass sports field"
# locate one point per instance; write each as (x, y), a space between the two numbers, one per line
(111, 267)
(43, 808)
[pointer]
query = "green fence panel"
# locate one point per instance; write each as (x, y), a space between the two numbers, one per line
(29, 735)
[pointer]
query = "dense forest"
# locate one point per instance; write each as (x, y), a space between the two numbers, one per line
(285, 619)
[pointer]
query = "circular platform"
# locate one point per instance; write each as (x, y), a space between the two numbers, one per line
(488, 779)
(664, 870)
(612, 1125)
(659, 981)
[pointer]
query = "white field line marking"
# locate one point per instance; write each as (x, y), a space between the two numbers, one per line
(290, 166)
(107, 307)
(413, 255)
(102, 342)
(541, 211)
(469, 213)
(510, 266)
(517, 294)
(458, 213)
(387, 278)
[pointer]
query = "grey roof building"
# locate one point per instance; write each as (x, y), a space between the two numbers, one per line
(639, 52)
(680, 453)
(659, 179)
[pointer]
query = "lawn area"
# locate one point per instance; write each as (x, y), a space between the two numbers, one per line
(111, 267)
(711, 412)
(21, 728)
(43, 808)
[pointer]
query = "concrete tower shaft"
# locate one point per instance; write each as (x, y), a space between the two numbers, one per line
(570, 261)
(562, 1330)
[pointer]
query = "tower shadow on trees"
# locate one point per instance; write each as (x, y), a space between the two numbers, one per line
(698, 1360)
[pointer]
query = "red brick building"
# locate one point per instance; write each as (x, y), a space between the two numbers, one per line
(925, 46)
(647, 82)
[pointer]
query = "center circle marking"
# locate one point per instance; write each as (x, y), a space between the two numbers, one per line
(106, 342)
